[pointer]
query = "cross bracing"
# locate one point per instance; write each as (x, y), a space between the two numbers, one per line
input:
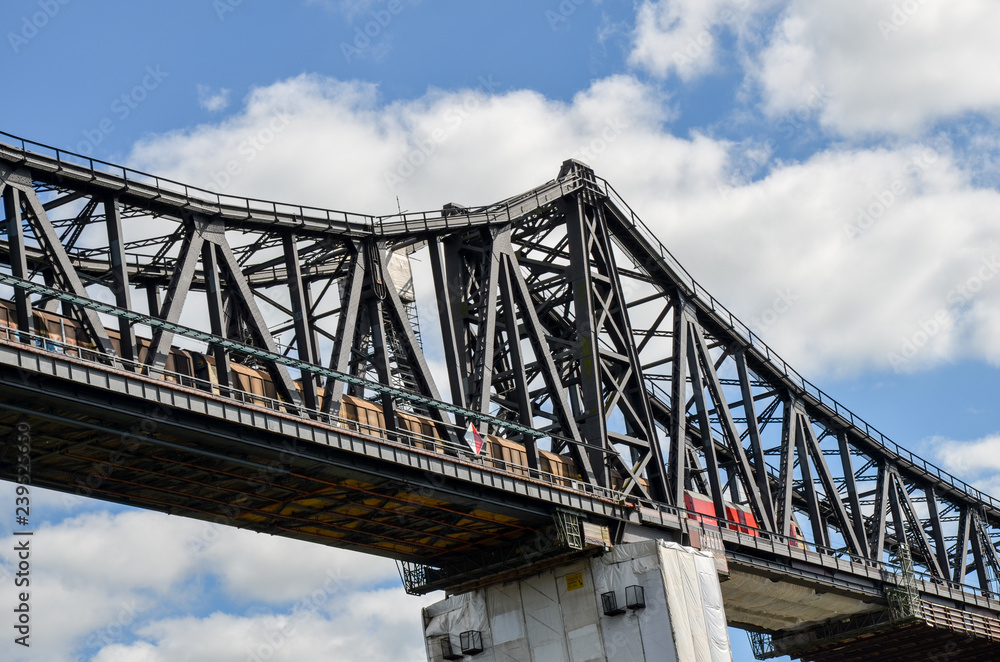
(562, 322)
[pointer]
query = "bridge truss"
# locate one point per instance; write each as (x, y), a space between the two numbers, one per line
(561, 323)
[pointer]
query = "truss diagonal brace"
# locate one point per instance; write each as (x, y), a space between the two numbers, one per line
(64, 270)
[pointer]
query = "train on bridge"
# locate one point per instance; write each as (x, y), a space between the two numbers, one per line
(254, 386)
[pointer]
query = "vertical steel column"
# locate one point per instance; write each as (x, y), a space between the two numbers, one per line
(381, 360)
(820, 535)
(18, 261)
(978, 555)
(213, 290)
(591, 418)
(962, 545)
(937, 531)
(744, 472)
(447, 289)
(896, 508)
(297, 290)
(177, 291)
(677, 455)
(917, 526)
(516, 356)
(482, 380)
(877, 545)
(153, 302)
(707, 441)
(857, 518)
(347, 326)
(756, 447)
(836, 504)
(119, 276)
(786, 471)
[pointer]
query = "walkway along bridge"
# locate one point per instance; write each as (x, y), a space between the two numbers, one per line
(261, 365)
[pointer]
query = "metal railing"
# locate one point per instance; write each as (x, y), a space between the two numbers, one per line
(401, 436)
(47, 156)
(129, 179)
(745, 535)
(733, 324)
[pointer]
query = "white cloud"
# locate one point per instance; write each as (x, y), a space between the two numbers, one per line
(380, 626)
(103, 581)
(279, 570)
(213, 100)
(868, 286)
(682, 36)
(889, 66)
(977, 461)
(969, 458)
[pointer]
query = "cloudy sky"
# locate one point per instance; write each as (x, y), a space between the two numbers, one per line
(828, 169)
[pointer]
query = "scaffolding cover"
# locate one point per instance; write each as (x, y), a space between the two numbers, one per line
(558, 615)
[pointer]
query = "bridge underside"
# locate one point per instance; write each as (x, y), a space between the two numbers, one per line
(615, 395)
(150, 444)
(938, 634)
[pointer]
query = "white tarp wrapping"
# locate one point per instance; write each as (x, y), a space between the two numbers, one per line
(695, 602)
(715, 613)
(460, 613)
(579, 612)
(543, 619)
(503, 605)
(557, 616)
(643, 634)
(451, 617)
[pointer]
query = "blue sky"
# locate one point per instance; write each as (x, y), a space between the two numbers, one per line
(828, 169)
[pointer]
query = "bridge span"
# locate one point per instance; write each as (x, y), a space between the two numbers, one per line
(272, 367)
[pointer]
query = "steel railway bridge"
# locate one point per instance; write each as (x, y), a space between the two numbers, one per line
(562, 325)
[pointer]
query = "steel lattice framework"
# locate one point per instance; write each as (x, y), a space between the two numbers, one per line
(564, 325)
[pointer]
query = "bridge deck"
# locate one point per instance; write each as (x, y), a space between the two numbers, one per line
(155, 444)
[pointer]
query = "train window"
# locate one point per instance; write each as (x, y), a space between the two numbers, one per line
(183, 363)
(237, 380)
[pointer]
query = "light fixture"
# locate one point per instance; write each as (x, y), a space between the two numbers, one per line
(472, 642)
(447, 652)
(635, 597)
(610, 603)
